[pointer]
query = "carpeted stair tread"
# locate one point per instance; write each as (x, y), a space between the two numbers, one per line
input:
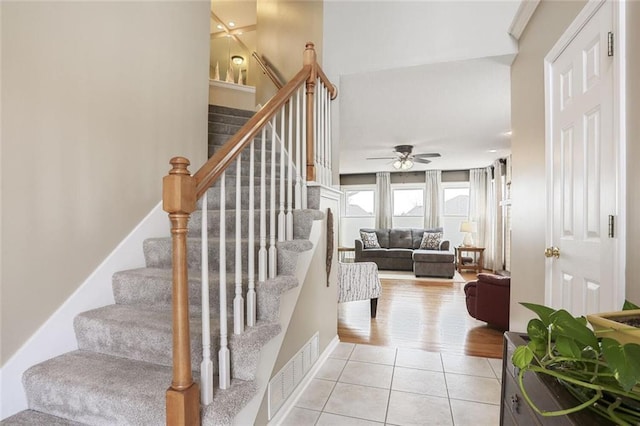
(224, 110)
(152, 287)
(157, 251)
(145, 334)
(227, 402)
(302, 222)
(33, 418)
(99, 389)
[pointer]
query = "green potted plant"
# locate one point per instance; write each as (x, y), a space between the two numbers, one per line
(600, 372)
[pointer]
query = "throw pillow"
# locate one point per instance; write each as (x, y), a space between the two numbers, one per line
(431, 241)
(370, 240)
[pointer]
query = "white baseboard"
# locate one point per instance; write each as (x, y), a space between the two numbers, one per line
(291, 402)
(56, 336)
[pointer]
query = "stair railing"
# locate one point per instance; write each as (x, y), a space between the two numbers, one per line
(301, 108)
(267, 70)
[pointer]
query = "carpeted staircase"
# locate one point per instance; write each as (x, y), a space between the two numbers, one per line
(121, 371)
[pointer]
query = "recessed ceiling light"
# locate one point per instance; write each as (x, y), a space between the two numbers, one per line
(493, 150)
(508, 133)
(232, 24)
(220, 27)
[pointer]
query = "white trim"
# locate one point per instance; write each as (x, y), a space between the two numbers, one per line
(291, 402)
(232, 86)
(619, 130)
(56, 336)
(327, 191)
(572, 30)
(620, 134)
(522, 17)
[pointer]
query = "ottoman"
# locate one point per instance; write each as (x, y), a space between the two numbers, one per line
(433, 263)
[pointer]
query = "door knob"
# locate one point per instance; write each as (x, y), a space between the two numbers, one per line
(552, 252)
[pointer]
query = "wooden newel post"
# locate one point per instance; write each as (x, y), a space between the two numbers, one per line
(309, 58)
(179, 200)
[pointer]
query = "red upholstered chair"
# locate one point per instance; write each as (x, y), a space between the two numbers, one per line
(488, 299)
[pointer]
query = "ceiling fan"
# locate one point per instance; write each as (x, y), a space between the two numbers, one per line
(404, 159)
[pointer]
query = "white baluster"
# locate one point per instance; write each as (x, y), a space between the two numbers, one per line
(329, 139)
(262, 253)
(320, 145)
(251, 276)
(290, 175)
(206, 366)
(224, 365)
(303, 119)
(298, 190)
(238, 301)
(316, 137)
(325, 150)
(327, 159)
(272, 206)
(281, 213)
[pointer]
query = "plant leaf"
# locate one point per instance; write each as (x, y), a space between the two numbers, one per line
(624, 361)
(537, 331)
(522, 357)
(563, 324)
(538, 347)
(568, 347)
(629, 306)
(542, 311)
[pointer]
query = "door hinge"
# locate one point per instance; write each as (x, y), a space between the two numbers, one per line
(612, 221)
(610, 44)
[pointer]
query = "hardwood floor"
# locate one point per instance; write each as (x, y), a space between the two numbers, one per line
(423, 315)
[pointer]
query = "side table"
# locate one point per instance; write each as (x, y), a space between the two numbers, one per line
(477, 256)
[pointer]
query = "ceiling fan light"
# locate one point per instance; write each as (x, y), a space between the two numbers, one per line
(397, 164)
(407, 164)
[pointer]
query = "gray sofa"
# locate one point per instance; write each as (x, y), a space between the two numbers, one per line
(399, 250)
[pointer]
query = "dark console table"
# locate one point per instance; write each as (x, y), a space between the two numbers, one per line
(543, 390)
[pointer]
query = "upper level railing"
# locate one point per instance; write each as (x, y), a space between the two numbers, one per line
(266, 68)
(292, 137)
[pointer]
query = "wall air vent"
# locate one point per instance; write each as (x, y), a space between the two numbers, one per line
(285, 381)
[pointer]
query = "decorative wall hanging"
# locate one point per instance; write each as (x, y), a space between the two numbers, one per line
(329, 243)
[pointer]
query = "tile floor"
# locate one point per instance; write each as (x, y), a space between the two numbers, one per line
(375, 385)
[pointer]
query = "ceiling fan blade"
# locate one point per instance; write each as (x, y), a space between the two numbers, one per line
(427, 155)
(421, 160)
(381, 158)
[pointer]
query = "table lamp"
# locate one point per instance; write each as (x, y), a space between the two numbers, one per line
(468, 227)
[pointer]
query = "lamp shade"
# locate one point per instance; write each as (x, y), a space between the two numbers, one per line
(468, 226)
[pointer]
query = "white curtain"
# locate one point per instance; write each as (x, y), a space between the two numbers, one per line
(432, 202)
(498, 178)
(482, 211)
(384, 215)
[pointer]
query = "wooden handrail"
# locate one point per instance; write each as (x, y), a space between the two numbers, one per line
(223, 158)
(180, 192)
(268, 71)
(333, 90)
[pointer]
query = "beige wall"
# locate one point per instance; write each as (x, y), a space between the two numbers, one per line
(633, 151)
(317, 307)
(527, 146)
(97, 97)
(283, 29)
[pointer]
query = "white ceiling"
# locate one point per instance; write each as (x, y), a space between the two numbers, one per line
(433, 74)
(458, 109)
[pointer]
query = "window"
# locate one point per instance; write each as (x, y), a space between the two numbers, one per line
(455, 196)
(456, 200)
(408, 202)
(359, 203)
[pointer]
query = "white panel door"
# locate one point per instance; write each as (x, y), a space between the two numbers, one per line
(582, 169)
